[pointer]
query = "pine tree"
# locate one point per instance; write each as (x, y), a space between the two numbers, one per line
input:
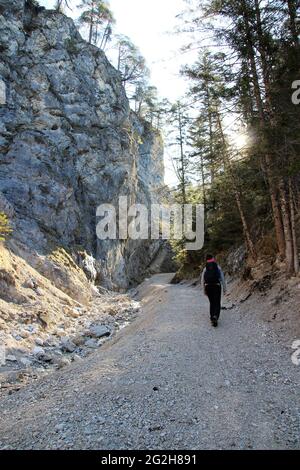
(263, 40)
(179, 120)
(96, 14)
(130, 63)
(209, 87)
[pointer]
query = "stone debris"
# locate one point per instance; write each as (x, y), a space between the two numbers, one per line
(37, 350)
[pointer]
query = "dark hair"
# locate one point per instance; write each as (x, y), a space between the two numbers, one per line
(209, 257)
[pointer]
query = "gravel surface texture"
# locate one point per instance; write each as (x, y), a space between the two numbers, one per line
(167, 381)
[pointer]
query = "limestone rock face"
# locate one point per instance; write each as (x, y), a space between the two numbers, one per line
(69, 142)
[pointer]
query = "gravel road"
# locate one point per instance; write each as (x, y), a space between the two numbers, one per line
(167, 381)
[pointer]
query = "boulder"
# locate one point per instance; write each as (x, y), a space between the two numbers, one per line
(98, 331)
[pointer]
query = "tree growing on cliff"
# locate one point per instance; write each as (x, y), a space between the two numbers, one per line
(145, 100)
(98, 17)
(130, 63)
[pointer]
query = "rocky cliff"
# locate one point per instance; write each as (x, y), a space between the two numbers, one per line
(69, 142)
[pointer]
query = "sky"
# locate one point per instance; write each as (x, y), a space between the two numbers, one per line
(150, 25)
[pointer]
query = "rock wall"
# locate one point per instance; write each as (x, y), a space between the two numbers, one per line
(69, 142)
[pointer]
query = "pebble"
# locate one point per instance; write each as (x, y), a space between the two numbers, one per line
(62, 362)
(79, 340)
(67, 345)
(60, 427)
(24, 334)
(17, 336)
(39, 341)
(77, 358)
(11, 358)
(38, 351)
(29, 284)
(47, 357)
(25, 361)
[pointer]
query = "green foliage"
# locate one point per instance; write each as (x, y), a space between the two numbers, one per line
(251, 84)
(5, 228)
(98, 17)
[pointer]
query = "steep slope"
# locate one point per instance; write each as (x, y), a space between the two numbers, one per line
(68, 143)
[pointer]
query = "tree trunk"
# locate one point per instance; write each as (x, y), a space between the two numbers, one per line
(182, 171)
(278, 223)
(263, 57)
(203, 188)
(91, 24)
(211, 143)
(249, 243)
(119, 57)
(289, 246)
(293, 228)
(292, 7)
(104, 37)
(91, 30)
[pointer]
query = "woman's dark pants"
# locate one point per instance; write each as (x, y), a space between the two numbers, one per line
(214, 295)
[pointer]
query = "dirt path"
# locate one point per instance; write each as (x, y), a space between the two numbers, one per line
(167, 381)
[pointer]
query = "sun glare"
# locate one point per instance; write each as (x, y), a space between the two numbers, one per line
(241, 140)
